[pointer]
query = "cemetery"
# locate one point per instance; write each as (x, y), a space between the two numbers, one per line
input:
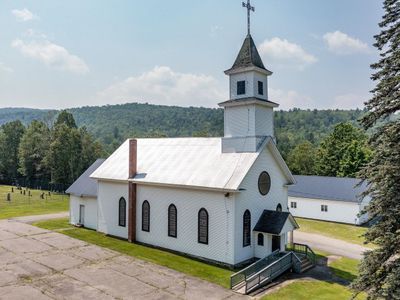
(19, 201)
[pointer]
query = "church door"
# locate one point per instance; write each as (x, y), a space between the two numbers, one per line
(276, 242)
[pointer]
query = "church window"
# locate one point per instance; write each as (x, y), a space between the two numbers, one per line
(246, 228)
(260, 239)
(260, 88)
(122, 212)
(203, 226)
(172, 221)
(264, 183)
(279, 207)
(241, 87)
(146, 216)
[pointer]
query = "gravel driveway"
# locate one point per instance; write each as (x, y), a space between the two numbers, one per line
(40, 264)
(330, 245)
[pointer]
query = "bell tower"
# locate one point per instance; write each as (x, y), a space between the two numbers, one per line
(248, 114)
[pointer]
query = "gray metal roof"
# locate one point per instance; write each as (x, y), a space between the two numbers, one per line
(248, 56)
(84, 185)
(328, 188)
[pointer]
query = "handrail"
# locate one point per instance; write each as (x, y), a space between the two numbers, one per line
(242, 275)
(275, 262)
(269, 272)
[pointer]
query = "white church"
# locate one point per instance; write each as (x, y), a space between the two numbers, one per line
(223, 200)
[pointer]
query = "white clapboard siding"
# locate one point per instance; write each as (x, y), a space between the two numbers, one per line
(188, 203)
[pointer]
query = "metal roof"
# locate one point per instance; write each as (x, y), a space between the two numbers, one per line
(328, 188)
(84, 185)
(272, 221)
(186, 162)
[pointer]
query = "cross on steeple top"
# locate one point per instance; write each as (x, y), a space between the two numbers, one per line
(249, 9)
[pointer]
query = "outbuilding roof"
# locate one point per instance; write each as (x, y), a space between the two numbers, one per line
(185, 162)
(84, 185)
(328, 188)
(272, 221)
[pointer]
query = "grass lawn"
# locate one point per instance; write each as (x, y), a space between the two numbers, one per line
(345, 268)
(349, 233)
(179, 263)
(25, 205)
(316, 290)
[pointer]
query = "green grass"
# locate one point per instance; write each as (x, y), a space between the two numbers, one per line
(345, 268)
(176, 262)
(349, 233)
(316, 290)
(25, 205)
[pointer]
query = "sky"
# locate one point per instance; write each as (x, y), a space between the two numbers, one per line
(62, 54)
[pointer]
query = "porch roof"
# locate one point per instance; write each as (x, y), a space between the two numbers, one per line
(273, 222)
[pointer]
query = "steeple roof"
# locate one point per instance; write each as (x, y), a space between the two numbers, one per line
(248, 56)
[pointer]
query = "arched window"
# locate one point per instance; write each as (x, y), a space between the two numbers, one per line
(122, 212)
(264, 183)
(246, 228)
(279, 207)
(203, 226)
(146, 216)
(260, 239)
(172, 221)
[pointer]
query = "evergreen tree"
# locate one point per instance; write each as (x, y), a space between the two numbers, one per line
(13, 132)
(301, 159)
(380, 268)
(32, 152)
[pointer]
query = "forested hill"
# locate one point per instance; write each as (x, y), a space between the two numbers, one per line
(112, 124)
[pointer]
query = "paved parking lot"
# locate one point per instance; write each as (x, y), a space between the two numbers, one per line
(40, 264)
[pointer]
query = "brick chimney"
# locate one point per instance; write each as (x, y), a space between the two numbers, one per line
(132, 191)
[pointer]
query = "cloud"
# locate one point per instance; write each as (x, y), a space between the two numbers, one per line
(349, 101)
(24, 15)
(52, 55)
(5, 68)
(290, 99)
(162, 85)
(285, 53)
(341, 43)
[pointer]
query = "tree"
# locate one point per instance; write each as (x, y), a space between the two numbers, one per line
(380, 268)
(13, 132)
(91, 149)
(32, 152)
(335, 155)
(65, 118)
(301, 159)
(64, 157)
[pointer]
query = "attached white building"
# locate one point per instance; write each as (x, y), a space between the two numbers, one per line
(218, 199)
(83, 196)
(328, 199)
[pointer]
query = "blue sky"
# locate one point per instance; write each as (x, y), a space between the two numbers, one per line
(58, 54)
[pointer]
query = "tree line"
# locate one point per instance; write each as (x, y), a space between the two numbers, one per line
(41, 154)
(342, 153)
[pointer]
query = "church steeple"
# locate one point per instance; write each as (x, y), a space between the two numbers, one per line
(248, 114)
(248, 57)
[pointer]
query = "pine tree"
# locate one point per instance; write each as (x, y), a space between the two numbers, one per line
(380, 268)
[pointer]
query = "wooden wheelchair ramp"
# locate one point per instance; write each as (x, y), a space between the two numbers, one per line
(297, 258)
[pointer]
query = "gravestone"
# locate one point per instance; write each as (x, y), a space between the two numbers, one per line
(8, 197)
